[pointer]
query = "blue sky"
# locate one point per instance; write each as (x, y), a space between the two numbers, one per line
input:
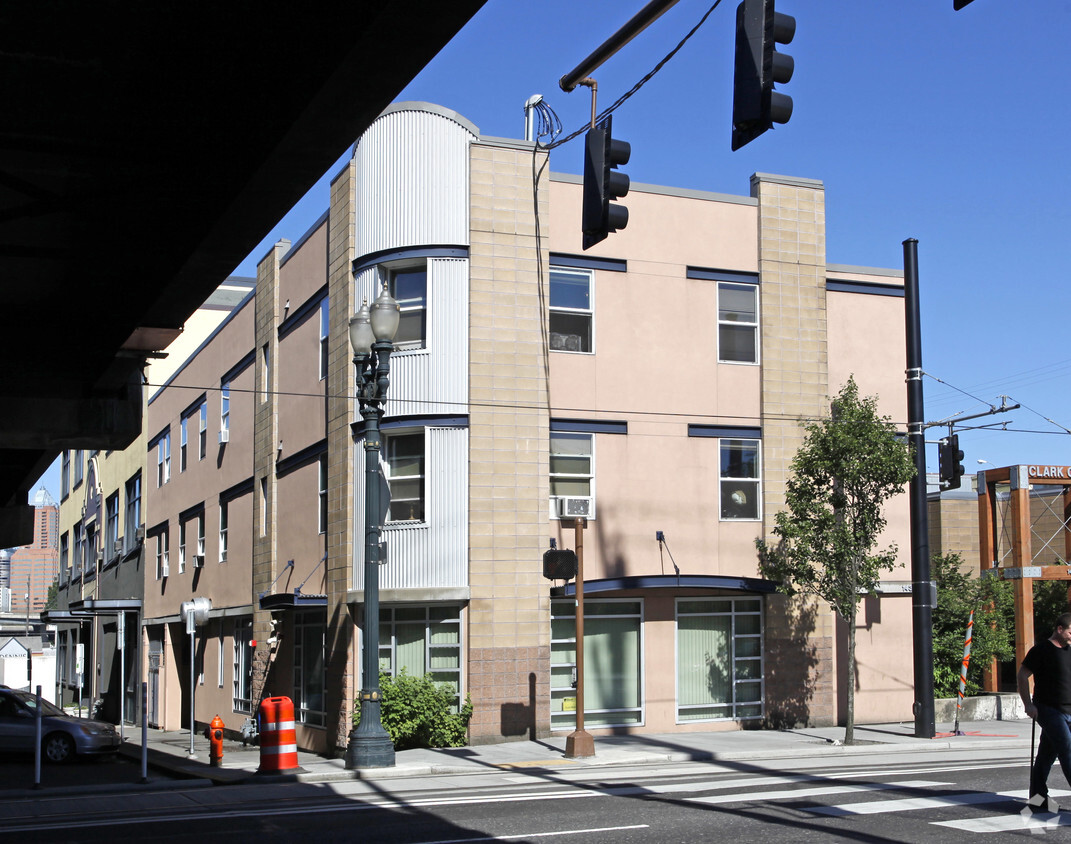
(949, 127)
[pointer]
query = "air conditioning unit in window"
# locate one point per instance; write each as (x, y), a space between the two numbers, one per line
(564, 342)
(139, 533)
(574, 507)
(224, 436)
(118, 546)
(198, 561)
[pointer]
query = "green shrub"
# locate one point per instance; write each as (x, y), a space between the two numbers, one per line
(417, 712)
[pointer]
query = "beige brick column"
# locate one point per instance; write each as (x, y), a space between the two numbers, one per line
(265, 437)
(795, 386)
(340, 645)
(509, 618)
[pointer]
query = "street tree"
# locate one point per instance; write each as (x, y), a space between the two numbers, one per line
(824, 542)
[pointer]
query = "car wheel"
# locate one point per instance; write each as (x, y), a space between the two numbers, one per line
(58, 747)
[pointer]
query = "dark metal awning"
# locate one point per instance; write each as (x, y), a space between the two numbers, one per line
(64, 616)
(292, 601)
(106, 606)
(668, 581)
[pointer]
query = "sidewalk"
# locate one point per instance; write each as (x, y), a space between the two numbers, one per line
(169, 751)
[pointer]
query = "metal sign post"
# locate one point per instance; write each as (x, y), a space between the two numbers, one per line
(144, 733)
(579, 743)
(37, 741)
(79, 669)
(191, 628)
(120, 630)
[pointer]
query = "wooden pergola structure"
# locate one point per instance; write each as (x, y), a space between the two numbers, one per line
(1022, 571)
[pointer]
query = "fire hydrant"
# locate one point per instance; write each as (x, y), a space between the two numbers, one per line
(214, 734)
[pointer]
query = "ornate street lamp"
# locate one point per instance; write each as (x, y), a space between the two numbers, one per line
(372, 333)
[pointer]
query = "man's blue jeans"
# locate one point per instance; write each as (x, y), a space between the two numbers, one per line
(1055, 743)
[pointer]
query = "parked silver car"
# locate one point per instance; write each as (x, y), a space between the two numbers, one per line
(62, 735)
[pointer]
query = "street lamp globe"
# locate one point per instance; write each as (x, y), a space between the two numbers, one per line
(361, 336)
(385, 316)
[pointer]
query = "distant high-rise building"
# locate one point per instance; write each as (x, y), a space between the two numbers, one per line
(31, 569)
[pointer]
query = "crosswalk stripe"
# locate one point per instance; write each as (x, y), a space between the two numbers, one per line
(910, 804)
(825, 791)
(1007, 823)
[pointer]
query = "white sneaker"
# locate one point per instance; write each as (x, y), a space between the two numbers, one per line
(1043, 803)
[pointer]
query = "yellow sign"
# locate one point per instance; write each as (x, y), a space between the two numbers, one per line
(568, 704)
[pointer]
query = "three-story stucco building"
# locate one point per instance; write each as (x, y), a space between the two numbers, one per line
(653, 384)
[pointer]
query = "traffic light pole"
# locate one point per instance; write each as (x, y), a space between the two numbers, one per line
(637, 24)
(922, 592)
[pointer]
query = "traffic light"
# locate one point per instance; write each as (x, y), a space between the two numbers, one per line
(756, 105)
(602, 183)
(950, 462)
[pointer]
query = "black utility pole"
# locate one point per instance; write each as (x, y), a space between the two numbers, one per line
(922, 592)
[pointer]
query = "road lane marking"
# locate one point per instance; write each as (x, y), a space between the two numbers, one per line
(1007, 823)
(538, 834)
(824, 791)
(910, 804)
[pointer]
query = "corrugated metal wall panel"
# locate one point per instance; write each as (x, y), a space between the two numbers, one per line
(412, 182)
(433, 380)
(432, 554)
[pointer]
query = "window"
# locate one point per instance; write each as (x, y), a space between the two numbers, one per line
(223, 531)
(181, 547)
(225, 406)
(323, 493)
(309, 704)
(79, 466)
(112, 543)
(162, 555)
(220, 651)
(325, 329)
(739, 479)
(243, 665)
(79, 550)
(202, 430)
(571, 314)
(64, 555)
(133, 509)
(719, 659)
(263, 507)
(163, 459)
(613, 667)
(183, 433)
(265, 384)
(65, 474)
(572, 474)
(201, 536)
(409, 286)
(405, 476)
(422, 640)
(738, 323)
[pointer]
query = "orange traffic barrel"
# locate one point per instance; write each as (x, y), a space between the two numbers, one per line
(278, 742)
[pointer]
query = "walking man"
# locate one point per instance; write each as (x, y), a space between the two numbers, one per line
(1049, 663)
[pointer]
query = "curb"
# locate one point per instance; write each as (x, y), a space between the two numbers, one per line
(194, 774)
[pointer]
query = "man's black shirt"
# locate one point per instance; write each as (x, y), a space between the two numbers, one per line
(1052, 675)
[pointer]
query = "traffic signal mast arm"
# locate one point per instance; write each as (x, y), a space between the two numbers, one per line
(636, 24)
(949, 454)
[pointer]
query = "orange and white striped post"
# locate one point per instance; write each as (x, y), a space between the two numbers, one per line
(963, 670)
